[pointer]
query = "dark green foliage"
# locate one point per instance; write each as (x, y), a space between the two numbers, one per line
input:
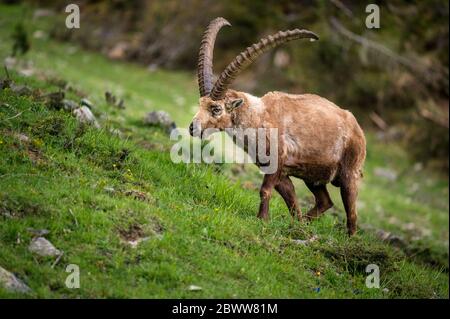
(21, 41)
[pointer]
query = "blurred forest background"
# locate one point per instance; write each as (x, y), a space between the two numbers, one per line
(394, 78)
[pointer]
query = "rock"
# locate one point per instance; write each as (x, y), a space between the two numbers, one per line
(22, 90)
(281, 59)
(112, 100)
(69, 105)
(306, 241)
(386, 173)
(84, 115)
(22, 137)
(5, 84)
(39, 13)
(152, 67)
(179, 100)
(43, 247)
(109, 190)
(55, 99)
(137, 195)
(86, 102)
(194, 288)
(390, 238)
(39, 34)
(418, 166)
(11, 283)
(160, 118)
(27, 72)
(119, 51)
(393, 133)
(121, 104)
(136, 242)
(9, 62)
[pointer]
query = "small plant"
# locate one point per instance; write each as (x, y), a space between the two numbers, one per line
(21, 41)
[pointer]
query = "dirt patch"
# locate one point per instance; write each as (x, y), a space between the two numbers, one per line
(157, 227)
(136, 233)
(18, 208)
(26, 146)
(138, 195)
(355, 257)
(132, 233)
(35, 156)
(419, 251)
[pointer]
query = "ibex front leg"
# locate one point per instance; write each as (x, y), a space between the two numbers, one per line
(269, 182)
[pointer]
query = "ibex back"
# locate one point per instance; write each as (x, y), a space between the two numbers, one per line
(317, 141)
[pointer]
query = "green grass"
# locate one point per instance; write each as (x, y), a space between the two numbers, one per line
(200, 219)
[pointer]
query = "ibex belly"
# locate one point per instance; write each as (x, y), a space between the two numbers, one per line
(315, 161)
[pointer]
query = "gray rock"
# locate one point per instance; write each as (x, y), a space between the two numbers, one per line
(11, 283)
(306, 241)
(86, 102)
(390, 238)
(160, 118)
(10, 62)
(39, 34)
(112, 100)
(21, 90)
(43, 247)
(55, 99)
(5, 83)
(41, 12)
(85, 115)
(109, 190)
(386, 173)
(136, 242)
(69, 105)
(121, 104)
(22, 137)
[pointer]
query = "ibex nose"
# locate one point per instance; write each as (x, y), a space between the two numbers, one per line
(191, 129)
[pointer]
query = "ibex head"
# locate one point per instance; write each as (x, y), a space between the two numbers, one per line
(217, 104)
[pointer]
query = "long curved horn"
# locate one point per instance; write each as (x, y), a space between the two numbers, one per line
(205, 56)
(246, 57)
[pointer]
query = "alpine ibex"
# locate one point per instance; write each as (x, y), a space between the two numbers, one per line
(318, 142)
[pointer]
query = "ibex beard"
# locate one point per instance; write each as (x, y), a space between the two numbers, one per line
(317, 141)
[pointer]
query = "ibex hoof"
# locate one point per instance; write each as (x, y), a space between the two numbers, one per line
(264, 217)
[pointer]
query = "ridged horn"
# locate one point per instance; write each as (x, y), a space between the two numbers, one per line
(205, 55)
(246, 57)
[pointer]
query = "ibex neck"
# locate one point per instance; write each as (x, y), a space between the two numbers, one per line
(251, 114)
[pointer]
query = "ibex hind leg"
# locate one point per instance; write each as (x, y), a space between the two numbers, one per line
(349, 194)
(349, 182)
(322, 199)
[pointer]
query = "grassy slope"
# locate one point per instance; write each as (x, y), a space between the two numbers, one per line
(210, 236)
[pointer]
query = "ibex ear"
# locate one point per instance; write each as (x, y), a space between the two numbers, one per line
(235, 104)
